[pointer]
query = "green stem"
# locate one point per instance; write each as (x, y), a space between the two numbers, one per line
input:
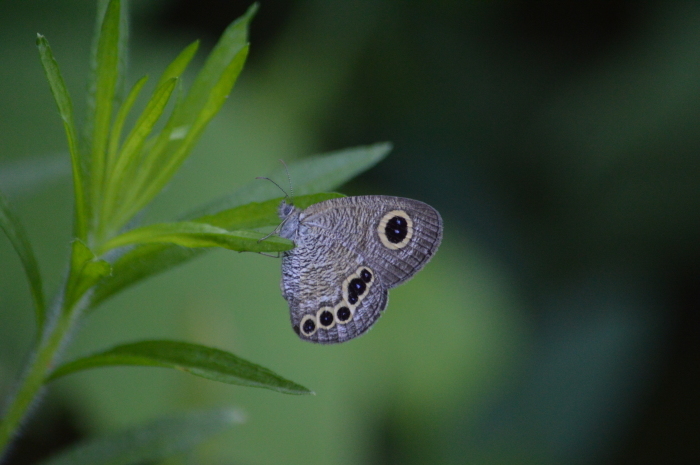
(40, 366)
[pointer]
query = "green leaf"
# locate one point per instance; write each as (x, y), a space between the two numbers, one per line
(314, 174)
(198, 360)
(119, 121)
(65, 109)
(18, 237)
(151, 442)
(228, 49)
(191, 234)
(122, 164)
(86, 271)
(179, 64)
(208, 93)
(106, 74)
(144, 125)
(119, 179)
(260, 214)
(148, 260)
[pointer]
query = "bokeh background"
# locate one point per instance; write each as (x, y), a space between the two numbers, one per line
(558, 323)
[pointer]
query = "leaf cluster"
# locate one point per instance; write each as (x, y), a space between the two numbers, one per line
(117, 171)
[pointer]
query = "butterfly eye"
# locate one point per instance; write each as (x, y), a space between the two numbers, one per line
(308, 325)
(395, 229)
(325, 318)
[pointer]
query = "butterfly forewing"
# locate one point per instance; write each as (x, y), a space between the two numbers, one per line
(361, 224)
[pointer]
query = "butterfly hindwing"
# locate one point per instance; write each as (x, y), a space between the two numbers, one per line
(332, 297)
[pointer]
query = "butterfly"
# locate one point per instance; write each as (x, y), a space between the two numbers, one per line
(348, 253)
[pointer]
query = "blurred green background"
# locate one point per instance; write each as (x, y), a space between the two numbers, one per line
(558, 323)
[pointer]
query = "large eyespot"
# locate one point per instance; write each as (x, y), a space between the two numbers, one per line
(343, 313)
(395, 229)
(308, 325)
(325, 318)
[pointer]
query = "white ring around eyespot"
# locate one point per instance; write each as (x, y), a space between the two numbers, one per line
(357, 275)
(318, 317)
(381, 230)
(301, 325)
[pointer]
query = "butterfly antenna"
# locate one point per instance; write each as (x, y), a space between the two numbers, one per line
(289, 178)
(273, 182)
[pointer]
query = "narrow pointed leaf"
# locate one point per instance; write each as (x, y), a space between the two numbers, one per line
(179, 64)
(151, 442)
(65, 109)
(86, 271)
(260, 214)
(18, 237)
(191, 234)
(177, 142)
(107, 62)
(127, 162)
(144, 125)
(120, 120)
(208, 93)
(198, 360)
(120, 51)
(314, 174)
(227, 50)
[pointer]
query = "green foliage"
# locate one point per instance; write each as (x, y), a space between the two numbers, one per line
(65, 109)
(14, 231)
(86, 270)
(193, 358)
(116, 173)
(154, 441)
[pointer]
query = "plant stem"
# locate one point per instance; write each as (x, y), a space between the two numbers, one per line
(31, 384)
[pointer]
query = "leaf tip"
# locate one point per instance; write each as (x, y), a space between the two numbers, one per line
(252, 10)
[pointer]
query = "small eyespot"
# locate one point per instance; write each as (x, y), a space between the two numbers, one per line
(343, 314)
(308, 325)
(352, 296)
(395, 229)
(325, 318)
(366, 275)
(357, 286)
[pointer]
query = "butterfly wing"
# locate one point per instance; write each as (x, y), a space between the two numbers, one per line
(316, 278)
(348, 252)
(395, 235)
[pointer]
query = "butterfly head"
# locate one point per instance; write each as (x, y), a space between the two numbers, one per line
(285, 209)
(290, 219)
